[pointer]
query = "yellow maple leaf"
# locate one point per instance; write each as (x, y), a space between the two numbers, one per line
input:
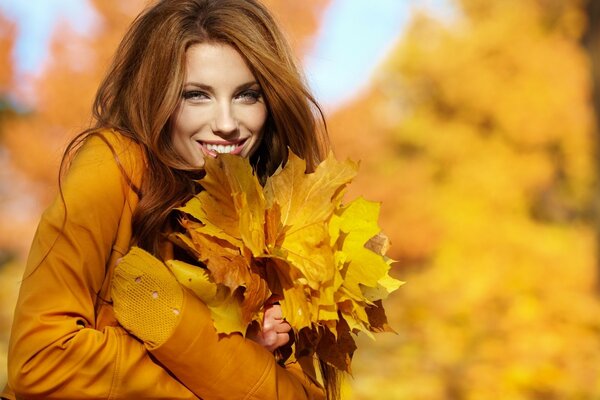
(194, 278)
(228, 316)
(308, 250)
(304, 198)
(229, 186)
(363, 267)
(225, 310)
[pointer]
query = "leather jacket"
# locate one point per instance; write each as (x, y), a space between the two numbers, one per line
(65, 341)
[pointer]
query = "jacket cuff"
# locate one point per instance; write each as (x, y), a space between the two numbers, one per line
(193, 319)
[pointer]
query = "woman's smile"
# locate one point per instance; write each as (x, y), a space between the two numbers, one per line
(222, 147)
(222, 109)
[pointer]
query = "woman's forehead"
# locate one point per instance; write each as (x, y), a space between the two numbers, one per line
(216, 64)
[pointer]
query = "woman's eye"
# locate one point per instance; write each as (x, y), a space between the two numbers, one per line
(249, 96)
(195, 95)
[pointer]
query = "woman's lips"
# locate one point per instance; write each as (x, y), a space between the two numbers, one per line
(213, 148)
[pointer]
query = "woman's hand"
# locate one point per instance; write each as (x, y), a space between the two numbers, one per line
(275, 330)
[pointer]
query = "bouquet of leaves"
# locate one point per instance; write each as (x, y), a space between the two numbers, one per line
(291, 238)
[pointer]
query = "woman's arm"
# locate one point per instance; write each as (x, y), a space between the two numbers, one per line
(233, 367)
(55, 350)
(178, 330)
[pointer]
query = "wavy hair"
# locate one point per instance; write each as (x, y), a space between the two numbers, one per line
(144, 86)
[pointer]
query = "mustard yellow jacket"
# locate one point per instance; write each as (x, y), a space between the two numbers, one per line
(65, 341)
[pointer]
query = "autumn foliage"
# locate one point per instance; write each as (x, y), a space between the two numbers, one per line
(486, 151)
(477, 135)
(291, 239)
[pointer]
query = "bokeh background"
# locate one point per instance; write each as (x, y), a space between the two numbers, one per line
(476, 124)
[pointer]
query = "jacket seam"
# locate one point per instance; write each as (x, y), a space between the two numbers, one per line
(115, 376)
(259, 383)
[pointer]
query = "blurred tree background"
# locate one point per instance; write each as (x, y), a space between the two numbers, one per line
(478, 134)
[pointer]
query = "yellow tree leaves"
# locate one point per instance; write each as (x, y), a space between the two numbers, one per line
(489, 144)
(304, 203)
(226, 312)
(292, 239)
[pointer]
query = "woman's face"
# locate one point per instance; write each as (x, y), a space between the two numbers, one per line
(222, 109)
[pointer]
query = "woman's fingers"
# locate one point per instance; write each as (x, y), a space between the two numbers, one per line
(273, 311)
(272, 317)
(275, 329)
(274, 340)
(269, 338)
(282, 327)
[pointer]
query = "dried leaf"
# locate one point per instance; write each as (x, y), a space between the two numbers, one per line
(274, 230)
(379, 244)
(194, 278)
(226, 264)
(358, 220)
(377, 318)
(337, 351)
(256, 293)
(307, 198)
(308, 250)
(225, 309)
(227, 315)
(295, 306)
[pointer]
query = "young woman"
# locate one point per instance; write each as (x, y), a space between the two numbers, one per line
(191, 78)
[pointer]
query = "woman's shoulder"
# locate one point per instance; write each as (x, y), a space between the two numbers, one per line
(105, 172)
(110, 147)
(117, 142)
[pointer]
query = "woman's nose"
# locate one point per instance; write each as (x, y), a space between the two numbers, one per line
(224, 121)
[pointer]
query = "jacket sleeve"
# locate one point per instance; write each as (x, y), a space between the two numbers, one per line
(55, 350)
(231, 366)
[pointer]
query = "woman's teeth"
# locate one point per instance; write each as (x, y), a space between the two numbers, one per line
(221, 149)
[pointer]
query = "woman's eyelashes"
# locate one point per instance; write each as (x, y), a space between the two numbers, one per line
(248, 96)
(195, 95)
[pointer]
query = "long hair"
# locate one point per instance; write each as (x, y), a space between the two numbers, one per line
(144, 85)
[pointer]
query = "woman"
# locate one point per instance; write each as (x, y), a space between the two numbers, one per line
(191, 78)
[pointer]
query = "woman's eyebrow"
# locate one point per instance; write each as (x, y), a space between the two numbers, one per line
(247, 85)
(209, 88)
